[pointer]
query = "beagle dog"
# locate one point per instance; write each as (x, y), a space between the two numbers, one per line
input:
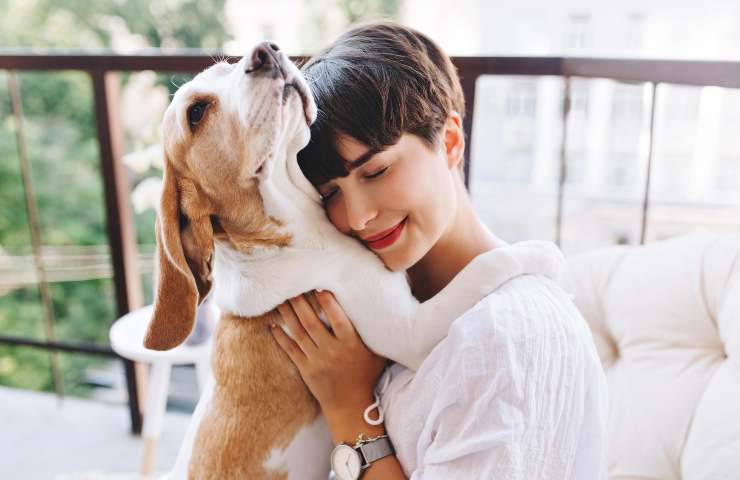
(237, 214)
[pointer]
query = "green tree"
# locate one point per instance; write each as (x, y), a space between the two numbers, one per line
(63, 152)
(356, 10)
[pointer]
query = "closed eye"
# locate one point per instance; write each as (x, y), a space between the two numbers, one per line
(325, 197)
(378, 173)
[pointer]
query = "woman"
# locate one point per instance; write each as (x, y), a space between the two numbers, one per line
(516, 390)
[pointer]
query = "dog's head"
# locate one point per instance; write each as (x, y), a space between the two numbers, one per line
(219, 135)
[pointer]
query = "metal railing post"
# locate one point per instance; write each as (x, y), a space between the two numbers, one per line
(649, 172)
(468, 82)
(563, 163)
(34, 224)
(119, 219)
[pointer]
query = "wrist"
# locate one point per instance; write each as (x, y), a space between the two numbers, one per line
(345, 402)
(347, 408)
(348, 433)
(348, 421)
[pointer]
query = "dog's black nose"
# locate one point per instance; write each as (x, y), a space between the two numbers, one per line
(264, 57)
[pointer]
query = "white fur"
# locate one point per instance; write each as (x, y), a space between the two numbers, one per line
(306, 457)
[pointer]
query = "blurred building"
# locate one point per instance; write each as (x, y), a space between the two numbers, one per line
(518, 126)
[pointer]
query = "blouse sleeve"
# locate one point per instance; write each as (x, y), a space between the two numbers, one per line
(510, 402)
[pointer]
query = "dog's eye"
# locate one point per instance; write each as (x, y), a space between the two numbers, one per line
(195, 113)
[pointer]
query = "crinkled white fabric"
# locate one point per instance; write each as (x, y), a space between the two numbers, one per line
(515, 392)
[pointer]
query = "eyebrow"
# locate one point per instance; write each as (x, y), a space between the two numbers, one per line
(364, 158)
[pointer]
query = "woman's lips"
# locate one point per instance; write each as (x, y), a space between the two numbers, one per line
(387, 238)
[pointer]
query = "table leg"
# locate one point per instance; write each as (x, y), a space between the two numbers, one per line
(156, 403)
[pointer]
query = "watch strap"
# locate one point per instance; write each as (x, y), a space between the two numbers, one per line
(375, 450)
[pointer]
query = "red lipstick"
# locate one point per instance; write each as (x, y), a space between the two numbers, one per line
(385, 239)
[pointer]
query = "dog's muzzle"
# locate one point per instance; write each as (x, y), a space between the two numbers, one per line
(265, 60)
(268, 60)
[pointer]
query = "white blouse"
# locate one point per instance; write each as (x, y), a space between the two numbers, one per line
(514, 392)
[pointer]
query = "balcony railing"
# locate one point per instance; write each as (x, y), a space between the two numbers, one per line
(104, 69)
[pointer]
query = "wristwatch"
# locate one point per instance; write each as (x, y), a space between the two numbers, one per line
(349, 463)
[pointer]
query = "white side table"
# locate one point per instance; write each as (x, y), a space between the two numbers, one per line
(127, 340)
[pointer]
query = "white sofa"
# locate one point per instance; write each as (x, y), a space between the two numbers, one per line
(666, 321)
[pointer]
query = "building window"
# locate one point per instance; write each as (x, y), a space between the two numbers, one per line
(635, 31)
(728, 176)
(681, 106)
(621, 170)
(575, 167)
(673, 173)
(514, 166)
(521, 102)
(268, 31)
(579, 101)
(627, 105)
(578, 32)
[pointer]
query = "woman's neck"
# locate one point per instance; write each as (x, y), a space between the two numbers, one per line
(465, 238)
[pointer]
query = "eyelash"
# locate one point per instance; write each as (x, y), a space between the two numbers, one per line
(378, 173)
(326, 198)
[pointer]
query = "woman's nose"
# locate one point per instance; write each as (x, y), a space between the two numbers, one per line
(359, 211)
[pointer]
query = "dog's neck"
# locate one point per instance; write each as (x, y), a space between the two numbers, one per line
(289, 197)
(253, 281)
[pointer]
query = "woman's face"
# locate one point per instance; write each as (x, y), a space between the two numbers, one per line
(399, 202)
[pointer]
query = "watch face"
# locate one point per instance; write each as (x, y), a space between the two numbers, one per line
(345, 462)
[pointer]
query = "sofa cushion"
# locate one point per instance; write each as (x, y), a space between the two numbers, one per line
(665, 321)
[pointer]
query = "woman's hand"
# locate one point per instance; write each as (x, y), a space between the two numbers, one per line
(337, 367)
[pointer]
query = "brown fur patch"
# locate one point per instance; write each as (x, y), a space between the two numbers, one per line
(247, 226)
(260, 403)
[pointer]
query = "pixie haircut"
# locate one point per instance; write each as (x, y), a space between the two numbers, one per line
(376, 82)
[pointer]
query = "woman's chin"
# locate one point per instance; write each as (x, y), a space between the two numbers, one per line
(395, 267)
(396, 260)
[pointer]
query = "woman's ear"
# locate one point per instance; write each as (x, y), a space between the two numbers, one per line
(454, 140)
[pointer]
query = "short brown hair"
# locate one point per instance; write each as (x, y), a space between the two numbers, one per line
(376, 82)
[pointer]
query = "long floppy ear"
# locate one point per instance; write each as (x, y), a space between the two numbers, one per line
(184, 259)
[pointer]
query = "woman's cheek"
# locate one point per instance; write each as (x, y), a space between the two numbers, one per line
(334, 210)
(391, 191)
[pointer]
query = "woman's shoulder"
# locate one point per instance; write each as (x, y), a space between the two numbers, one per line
(525, 306)
(511, 330)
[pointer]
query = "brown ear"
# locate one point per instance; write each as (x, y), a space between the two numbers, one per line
(184, 259)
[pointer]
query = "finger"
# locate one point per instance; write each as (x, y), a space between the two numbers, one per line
(294, 352)
(310, 321)
(312, 298)
(343, 328)
(296, 330)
